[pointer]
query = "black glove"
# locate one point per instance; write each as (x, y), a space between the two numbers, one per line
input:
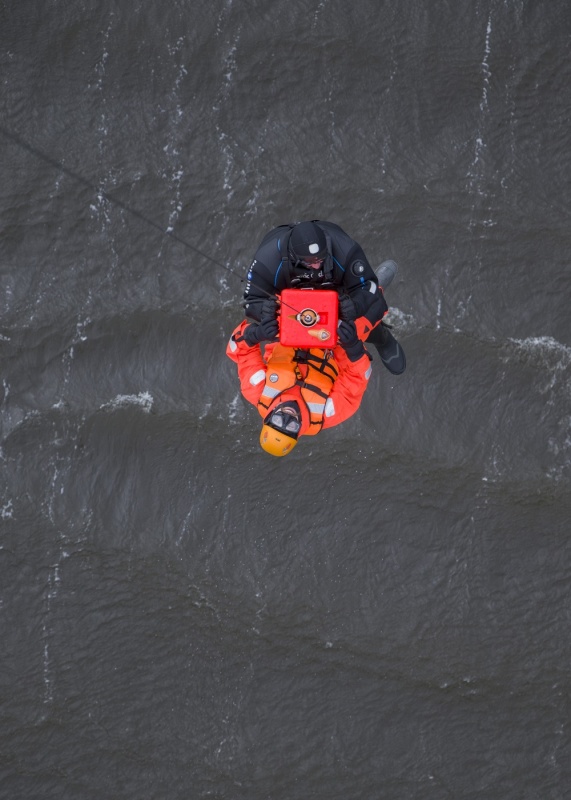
(349, 341)
(254, 333)
(269, 309)
(347, 310)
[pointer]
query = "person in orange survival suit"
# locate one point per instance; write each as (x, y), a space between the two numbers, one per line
(298, 392)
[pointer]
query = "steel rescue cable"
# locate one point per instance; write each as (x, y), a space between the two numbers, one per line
(112, 199)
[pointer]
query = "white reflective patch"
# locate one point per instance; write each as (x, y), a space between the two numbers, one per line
(368, 373)
(372, 287)
(313, 248)
(329, 407)
(257, 377)
(232, 345)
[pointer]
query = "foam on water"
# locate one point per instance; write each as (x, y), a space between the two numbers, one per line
(7, 510)
(400, 319)
(235, 408)
(544, 351)
(143, 400)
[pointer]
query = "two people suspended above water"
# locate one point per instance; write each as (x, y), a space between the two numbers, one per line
(302, 390)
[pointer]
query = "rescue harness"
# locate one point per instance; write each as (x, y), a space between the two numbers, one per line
(314, 371)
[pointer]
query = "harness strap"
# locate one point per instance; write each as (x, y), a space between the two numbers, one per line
(324, 363)
(312, 388)
(314, 396)
(286, 274)
(328, 265)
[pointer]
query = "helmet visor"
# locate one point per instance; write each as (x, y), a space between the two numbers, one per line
(282, 420)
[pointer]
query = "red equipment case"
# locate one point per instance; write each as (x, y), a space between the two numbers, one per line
(308, 318)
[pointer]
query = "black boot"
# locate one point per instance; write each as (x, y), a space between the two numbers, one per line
(391, 353)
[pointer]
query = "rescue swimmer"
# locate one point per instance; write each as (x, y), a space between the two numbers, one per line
(320, 255)
(297, 392)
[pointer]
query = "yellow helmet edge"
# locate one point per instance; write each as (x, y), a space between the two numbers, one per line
(276, 443)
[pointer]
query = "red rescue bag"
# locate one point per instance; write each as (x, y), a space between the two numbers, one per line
(308, 318)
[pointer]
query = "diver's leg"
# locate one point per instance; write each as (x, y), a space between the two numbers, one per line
(391, 353)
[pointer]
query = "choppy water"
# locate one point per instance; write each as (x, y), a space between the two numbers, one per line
(386, 612)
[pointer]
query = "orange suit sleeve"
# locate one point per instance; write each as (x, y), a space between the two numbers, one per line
(348, 390)
(250, 363)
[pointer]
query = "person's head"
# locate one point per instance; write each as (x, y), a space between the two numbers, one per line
(307, 246)
(281, 428)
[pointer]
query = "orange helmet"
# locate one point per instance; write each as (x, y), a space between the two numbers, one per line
(281, 428)
(276, 443)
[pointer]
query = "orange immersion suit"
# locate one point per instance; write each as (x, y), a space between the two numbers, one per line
(327, 385)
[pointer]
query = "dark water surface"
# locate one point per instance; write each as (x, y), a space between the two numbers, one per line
(386, 613)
